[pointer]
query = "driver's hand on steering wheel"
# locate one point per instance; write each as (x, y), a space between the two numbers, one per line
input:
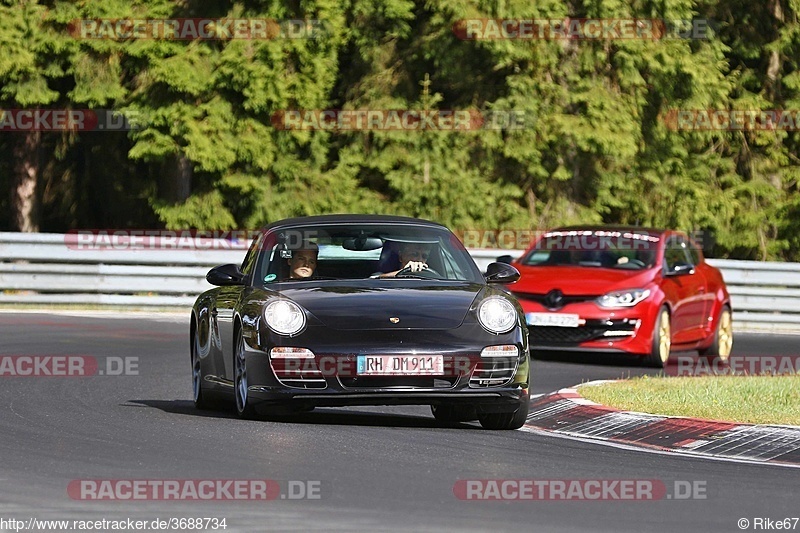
(411, 266)
(416, 266)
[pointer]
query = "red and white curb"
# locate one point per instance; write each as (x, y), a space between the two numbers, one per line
(566, 412)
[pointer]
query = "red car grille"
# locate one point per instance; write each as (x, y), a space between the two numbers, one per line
(542, 299)
(556, 335)
(593, 330)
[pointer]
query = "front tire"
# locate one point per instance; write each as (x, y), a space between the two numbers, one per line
(722, 345)
(662, 341)
(244, 408)
(198, 395)
(505, 421)
(449, 415)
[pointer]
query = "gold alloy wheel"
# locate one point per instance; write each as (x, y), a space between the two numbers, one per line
(664, 336)
(725, 334)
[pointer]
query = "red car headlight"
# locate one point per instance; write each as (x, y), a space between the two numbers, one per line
(627, 298)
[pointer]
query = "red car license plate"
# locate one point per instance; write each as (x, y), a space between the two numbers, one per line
(561, 320)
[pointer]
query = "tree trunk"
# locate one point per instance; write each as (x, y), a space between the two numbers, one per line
(176, 185)
(531, 198)
(774, 66)
(24, 204)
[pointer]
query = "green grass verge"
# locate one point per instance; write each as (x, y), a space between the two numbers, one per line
(744, 399)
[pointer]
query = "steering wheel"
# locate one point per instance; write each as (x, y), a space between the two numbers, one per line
(630, 264)
(427, 270)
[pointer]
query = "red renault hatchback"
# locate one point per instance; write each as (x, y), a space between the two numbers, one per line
(622, 289)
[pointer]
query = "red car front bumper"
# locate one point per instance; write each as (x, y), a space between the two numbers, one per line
(585, 326)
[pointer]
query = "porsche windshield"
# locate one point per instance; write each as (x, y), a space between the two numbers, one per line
(363, 251)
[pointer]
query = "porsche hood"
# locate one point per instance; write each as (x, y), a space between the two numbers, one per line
(411, 304)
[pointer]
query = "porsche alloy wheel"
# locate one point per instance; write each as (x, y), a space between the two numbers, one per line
(662, 341)
(243, 408)
(722, 345)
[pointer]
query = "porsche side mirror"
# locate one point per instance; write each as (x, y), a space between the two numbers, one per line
(505, 259)
(225, 275)
(501, 273)
(681, 269)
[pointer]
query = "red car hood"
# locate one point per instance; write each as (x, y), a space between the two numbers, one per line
(583, 281)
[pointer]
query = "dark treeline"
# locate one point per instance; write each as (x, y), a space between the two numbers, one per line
(599, 144)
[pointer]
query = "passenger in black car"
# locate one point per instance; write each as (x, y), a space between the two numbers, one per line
(303, 262)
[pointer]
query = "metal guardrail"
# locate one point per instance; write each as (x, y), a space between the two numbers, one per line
(44, 269)
(55, 269)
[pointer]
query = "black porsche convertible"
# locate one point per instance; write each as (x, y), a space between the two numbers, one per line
(327, 311)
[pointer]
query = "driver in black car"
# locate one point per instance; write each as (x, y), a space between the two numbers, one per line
(413, 256)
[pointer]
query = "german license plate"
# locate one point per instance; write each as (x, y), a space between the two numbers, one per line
(561, 320)
(400, 365)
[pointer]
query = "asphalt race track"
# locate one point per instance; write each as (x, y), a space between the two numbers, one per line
(381, 468)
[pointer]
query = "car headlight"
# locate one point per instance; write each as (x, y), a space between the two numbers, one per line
(497, 314)
(284, 317)
(623, 298)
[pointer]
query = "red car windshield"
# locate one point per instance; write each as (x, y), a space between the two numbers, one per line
(594, 248)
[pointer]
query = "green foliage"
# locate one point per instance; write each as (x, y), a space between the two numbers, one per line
(205, 210)
(25, 49)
